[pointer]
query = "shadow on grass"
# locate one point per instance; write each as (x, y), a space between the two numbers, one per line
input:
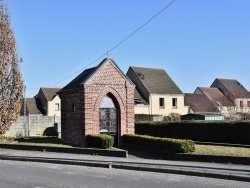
(41, 140)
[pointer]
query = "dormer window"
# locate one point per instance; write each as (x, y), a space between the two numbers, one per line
(141, 76)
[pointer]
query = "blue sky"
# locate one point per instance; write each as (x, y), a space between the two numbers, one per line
(194, 41)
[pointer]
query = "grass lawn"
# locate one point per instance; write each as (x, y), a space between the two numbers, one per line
(42, 141)
(221, 150)
(199, 149)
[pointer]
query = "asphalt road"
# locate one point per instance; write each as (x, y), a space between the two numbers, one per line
(15, 174)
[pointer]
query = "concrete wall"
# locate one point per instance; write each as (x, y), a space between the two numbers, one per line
(32, 125)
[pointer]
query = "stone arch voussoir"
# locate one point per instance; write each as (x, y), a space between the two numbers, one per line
(106, 91)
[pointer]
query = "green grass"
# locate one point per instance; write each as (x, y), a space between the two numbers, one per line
(199, 149)
(221, 150)
(42, 141)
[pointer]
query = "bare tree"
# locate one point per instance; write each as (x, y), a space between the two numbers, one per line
(11, 83)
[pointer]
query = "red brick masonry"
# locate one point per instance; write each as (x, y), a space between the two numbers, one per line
(106, 79)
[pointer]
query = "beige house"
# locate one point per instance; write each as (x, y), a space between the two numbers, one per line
(156, 93)
(50, 101)
(236, 94)
(228, 96)
(46, 103)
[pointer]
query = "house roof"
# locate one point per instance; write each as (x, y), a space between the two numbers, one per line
(138, 98)
(234, 87)
(215, 95)
(75, 83)
(156, 81)
(199, 103)
(85, 75)
(50, 93)
(34, 106)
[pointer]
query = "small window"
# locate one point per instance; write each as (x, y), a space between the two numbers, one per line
(241, 104)
(57, 107)
(174, 102)
(161, 103)
(248, 104)
(73, 107)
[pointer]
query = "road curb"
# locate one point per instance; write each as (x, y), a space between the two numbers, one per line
(198, 173)
(88, 151)
(189, 157)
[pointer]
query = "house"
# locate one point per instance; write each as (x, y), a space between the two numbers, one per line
(46, 103)
(156, 92)
(50, 101)
(234, 91)
(238, 97)
(228, 95)
(199, 104)
(99, 100)
(33, 107)
(214, 94)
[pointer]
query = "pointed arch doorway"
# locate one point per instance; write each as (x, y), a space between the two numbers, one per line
(109, 117)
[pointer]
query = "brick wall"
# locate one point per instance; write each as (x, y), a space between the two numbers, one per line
(108, 79)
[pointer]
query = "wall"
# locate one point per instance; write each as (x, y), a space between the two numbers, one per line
(51, 107)
(32, 125)
(142, 109)
(155, 109)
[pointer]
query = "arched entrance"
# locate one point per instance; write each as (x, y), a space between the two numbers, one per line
(109, 118)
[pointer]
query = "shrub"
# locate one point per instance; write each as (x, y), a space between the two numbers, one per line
(143, 117)
(175, 117)
(166, 118)
(168, 144)
(99, 141)
(233, 132)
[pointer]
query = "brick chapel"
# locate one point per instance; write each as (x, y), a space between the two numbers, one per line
(99, 100)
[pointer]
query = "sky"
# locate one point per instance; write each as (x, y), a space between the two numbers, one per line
(194, 41)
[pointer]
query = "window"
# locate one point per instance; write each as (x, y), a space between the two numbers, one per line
(161, 103)
(248, 104)
(73, 107)
(174, 102)
(57, 107)
(241, 104)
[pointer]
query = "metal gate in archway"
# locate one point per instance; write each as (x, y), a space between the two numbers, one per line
(108, 118)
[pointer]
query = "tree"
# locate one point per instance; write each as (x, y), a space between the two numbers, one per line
(234, 106)
(11, 83)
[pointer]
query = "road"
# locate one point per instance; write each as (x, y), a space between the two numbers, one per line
(15, 174)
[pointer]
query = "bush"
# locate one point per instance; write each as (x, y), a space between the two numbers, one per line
(99, 141)
(168, 144)
(233, 132)
(175, 117)
(143, 117)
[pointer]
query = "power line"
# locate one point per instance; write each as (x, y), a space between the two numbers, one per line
(141, 26)
(118, 44)
(79, 70)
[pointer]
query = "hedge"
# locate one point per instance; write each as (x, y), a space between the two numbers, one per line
(167, 144)
(99, 141)
(234, 132)
(143, 117)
